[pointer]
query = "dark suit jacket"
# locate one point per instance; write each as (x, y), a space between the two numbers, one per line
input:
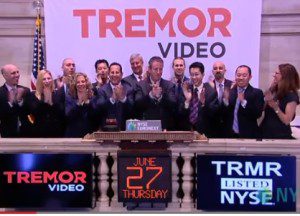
(133, 82)
(11, 117)
(180, 121)
(153, 109)
(59, 103)
(119, 111)
(48, 119)
(78, 118)
(205, 113)
(96, 87)
(218, 120)
(247, 117)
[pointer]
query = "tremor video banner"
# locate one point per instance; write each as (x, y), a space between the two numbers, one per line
(51, 181)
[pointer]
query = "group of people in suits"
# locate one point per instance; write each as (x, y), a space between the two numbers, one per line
(72, 106)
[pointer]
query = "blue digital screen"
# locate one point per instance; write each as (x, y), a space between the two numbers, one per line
(246, 183)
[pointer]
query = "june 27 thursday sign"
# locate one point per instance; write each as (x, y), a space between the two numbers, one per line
(246, 183)
(50, 181)
(144, 176)
(206, 31)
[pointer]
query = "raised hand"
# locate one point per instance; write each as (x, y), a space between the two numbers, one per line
(202, 96)
(12, 95)
(187, 91)
(226, 94)
(47, 95)
(99, 80)
(241, 96)
(120, 92)
(20, 94)
(268, 96)
(156, 90)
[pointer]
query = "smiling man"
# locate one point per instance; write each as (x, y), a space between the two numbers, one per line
(220, 84)
(244, 105)
(200, 102)
(14, 104)
(114, 99)
(155, 96)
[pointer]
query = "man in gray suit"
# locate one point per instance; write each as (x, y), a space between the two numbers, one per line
(155, 96)
(137, 66)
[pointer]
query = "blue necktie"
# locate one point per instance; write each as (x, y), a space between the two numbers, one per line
(221, 91)
(235, 126)
(179, 87)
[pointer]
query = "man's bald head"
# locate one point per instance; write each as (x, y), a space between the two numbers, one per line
(68, 66)
(219, 70)
(11, 74)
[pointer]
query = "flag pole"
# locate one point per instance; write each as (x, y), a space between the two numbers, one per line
(38, 53)
(38, 4)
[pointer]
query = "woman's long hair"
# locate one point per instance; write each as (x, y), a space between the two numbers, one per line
(73, 88)
(289, 81)
(39, 83)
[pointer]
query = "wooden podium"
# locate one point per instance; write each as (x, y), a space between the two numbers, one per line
(146, 139)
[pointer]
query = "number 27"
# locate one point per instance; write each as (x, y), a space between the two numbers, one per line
(140, 176)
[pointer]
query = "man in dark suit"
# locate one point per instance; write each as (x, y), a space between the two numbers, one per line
(179, 78)
(200, 101)
(220, 84)
(137, 67)
(155, 96)
(102, 69)
(244, 105)
(14, 105)
(68, 67)
(114, 99)
(137, 64)
(62, 90)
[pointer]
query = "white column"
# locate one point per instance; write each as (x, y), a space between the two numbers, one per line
(187, 185)
(114, 201)
(175, 185)
(103, 202)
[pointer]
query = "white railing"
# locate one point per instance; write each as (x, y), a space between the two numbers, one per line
(183, 171)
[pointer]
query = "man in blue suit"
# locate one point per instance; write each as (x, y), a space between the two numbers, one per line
(114, 99)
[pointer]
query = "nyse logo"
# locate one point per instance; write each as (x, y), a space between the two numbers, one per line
(249, 187)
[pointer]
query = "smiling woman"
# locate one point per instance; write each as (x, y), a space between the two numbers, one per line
(79, 112)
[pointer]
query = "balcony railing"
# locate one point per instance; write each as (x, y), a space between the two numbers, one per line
(183, 164)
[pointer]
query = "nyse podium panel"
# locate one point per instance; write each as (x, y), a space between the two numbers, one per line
(238, 174)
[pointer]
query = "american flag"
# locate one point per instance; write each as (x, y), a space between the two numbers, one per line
(38, 54)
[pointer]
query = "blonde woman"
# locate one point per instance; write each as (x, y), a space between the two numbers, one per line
(46, 116)
(78, 106)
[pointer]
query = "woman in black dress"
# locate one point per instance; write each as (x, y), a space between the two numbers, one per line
(281, 101)
(46, 115)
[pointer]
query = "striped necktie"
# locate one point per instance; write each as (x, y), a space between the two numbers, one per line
(194, 107)
(221, 91)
